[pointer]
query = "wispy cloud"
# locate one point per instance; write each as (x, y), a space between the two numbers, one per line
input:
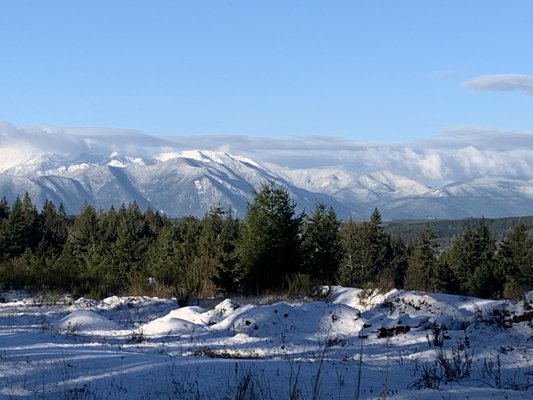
(502, 82)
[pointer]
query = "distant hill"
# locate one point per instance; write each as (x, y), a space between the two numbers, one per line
(447, 230)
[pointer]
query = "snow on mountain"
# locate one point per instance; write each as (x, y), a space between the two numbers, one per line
(192, 182)
(349, 186)
(105, 167)
(184, 183)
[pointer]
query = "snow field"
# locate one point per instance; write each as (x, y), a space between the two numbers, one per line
(140, 348)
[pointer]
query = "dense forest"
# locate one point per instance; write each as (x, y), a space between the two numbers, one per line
(272, 249)
(447, 230)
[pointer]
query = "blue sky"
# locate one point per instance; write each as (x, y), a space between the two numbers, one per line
(374, 71)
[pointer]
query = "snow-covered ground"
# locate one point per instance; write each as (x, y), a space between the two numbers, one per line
(148, 348)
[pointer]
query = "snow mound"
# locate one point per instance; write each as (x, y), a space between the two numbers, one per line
(416, 309)
(84, 303)
(282, 320)
(85, 320)
(186, 320)
(221, 311)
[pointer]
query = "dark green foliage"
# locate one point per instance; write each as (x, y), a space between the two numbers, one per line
(515, 261)
(101, 253)
(421, 273)
(4, 209)
(368, 252)
(130, 245)
(444, 279)
(171, 260)
(447, 231)
(53, 230)
(399, 262)
(20, 230)
(268, 248)
(321, 247)
(471, 259)
(229, 275)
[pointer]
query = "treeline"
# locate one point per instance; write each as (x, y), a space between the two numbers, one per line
(446, 231)
(273, 249)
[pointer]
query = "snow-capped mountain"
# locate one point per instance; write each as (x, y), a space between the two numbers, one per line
(181, 183)
(105, 167)
(192, 182)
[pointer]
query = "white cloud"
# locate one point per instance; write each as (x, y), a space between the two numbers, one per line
(431, 165)
(502, 82)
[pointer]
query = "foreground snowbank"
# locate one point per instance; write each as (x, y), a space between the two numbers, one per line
(140, 347)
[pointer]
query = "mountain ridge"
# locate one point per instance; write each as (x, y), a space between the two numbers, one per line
(193, 181)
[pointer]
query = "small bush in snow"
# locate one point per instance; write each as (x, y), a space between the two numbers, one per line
(73, 328)
(207, 351)
(137, 336)
(492, 370)
(446, 368)
(430, 378)
(457, 365)
(437, 334)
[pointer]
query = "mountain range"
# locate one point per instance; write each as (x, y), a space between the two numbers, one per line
(180, 183)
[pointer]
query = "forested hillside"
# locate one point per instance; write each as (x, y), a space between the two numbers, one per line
(273, 249)
(446, 231)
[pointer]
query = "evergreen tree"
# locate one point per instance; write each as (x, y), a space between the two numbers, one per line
(161, 257)
(471, 259)
(321, 246)
(4, 209)
(220, 232)
(154, 222)
(92, 256)
(367, 249)
(108, 223)
(515, 261)
(268, 248)
(444, 279)
(190, 269)
(21, 229)
(128, 250)
(4, 237)
(399, 263)
(350, 237)
(86, 230)
(173, 259)
(422, 262)
(53, 230)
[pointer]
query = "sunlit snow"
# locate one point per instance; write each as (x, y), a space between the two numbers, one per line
(141, 347)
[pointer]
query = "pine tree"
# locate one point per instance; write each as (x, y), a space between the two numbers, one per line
(220, 233)
(471, 259)
(128, 250)
(444, 280)
(367, 251)
(515, 261)
(399, 263)
(422, 262)
(86, 230)
(321, 246)
(4, 237)
(4, 209)
(268, 248)
(53, 230)
(349, 271)
(21, 229)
